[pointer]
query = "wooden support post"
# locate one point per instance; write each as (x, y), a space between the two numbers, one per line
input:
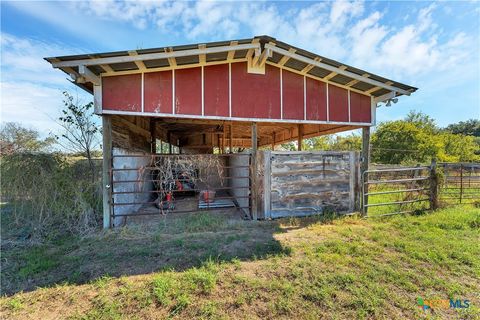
(106, 169)
(273, 141)
(224, 137)
(169, 138)
(254, 179)
(219, 144)
(300, 137)
(153, 136)
(364, 162)
(433, 186)
(230, 140)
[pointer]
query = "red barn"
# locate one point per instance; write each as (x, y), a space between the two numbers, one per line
(216, 98)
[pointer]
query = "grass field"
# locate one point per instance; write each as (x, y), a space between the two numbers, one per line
(217, 267)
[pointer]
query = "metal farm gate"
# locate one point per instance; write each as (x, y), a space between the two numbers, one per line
(461, 182)
(390, 191)
(150, 184)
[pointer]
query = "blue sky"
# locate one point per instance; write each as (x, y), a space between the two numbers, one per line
(434, 46)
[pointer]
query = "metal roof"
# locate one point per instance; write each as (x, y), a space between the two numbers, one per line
(85, 68)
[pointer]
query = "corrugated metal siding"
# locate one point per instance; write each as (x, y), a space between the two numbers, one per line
(158, 92)
(292, 95)
(255, 95)
(216, 90)
(316, 100)
(122, 93)
(188, 91)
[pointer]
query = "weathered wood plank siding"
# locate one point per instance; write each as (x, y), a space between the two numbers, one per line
(306, 183)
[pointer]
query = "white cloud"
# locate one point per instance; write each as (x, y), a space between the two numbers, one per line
(30, 89)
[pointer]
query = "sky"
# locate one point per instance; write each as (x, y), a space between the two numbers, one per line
(434, 46)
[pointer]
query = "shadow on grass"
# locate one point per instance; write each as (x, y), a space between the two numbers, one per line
(172, 243)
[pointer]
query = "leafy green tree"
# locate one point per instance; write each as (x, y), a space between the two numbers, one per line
(458, 147)
(469, 128)
(403, 141)
(14, 138)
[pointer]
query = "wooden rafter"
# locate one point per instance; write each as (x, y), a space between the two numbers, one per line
(333, 74)
(202, 58)
(140, 65)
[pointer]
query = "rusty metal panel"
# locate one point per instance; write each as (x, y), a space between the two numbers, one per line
(316, 100)
(158, 92)
(293, 95)
(188, 91)
(360, 108)
(307, 183)
(338, 103)
(122, 93)
(216, 90)
(255, 95)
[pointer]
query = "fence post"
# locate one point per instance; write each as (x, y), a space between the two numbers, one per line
(461, 182)
(365, 161)
(433, 185)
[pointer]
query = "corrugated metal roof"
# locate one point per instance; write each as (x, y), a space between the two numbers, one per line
(360, 80)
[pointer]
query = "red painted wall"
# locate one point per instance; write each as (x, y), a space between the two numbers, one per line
(158, 92)
(337, 103)
(188, 91)
(122, 93)
(360, 108)
(252, 95)
(293, 95)
(316, 100)
(255, 95)
(216, 90)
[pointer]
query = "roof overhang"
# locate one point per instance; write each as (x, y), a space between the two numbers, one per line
(87, 70)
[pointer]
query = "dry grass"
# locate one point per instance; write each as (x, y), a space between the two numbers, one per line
(223, 268)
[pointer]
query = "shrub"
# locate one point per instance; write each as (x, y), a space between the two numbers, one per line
(50, 194)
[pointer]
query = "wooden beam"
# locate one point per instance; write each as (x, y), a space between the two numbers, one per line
(309, 67)
(254, 169)
(231, 53)
(106, 169)
(202, 58)
(153, 136)
(263, 57)
(286, 58)
(372, 90)
(169, 53)
(230, 142)
(336, 69)
(140, 65)
(89, 75)
(355, 81)
(333, 74)
(171, 60)
(224, 136)
(169, 138)
(300, 137)
(107, 68)
(364, 163)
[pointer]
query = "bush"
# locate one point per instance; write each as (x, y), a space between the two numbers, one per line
(50, 194)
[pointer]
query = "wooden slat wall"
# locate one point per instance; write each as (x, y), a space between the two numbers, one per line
(306, 183)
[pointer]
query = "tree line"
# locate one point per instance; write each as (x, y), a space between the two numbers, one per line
(414, 139)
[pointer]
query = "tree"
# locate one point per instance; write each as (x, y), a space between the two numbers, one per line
(17, 139)
(80, 134)
(402, 141)
(469, 128)
(458, 147)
